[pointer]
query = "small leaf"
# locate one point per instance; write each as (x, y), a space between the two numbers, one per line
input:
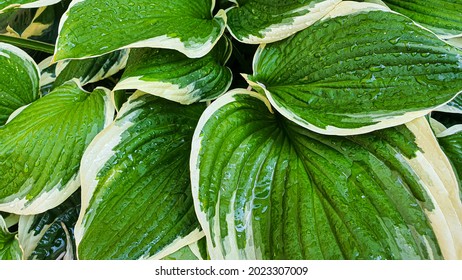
(136, 192)
(19, 80)
(41, 148)
(265, 188)
(265, 21)
(9, 245)
(356, 73)
(184, 25)
(172, 75)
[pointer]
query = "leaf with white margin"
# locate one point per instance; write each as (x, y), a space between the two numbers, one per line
(136, 195)
(172, 75)
(184, 25)
(41, 148)
(451, 143)
(266, 21)
(355, 73)
(19, 80)
(45, 236)
(266, 188)
(15, 4)
(87, 71)
(9, 245)
(455, 106)
(444, 17)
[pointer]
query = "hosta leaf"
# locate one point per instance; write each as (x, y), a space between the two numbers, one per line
(267, 188)
(136, 196)
(19, 80)
(87, 71)
(9, 246)
(183, 25)
(194, 251)
(41, 148)
(441, 16)
(451, 143)
(264, 21)
(8, 4)
(356, 73)
(455, 106)
(45, 236)
(174, 76)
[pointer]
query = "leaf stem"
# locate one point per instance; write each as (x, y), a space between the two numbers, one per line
(28, 44)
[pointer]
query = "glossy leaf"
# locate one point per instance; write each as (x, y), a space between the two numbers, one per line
(183, 25)
(172, 75)
(444, 17)
(19, 80)
(265, 21)
(266, 188)
(136, 196)
(356, 73)
(455, 106)
(45, 236)
(41, 148)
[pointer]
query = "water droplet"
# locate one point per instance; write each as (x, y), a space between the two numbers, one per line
(394, 41)
(378, 68)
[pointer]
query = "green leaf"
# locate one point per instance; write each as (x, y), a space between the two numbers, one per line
(19, 80)
(184, 253)
(172, 75)
(14, 4)
(265, 21)
(41, 148)
(45, 236)
(87, 71)
(9, 245)
(356, 73)
(443, 17)
(451, 143)
(455, 106)
(266, 188)
(183, 25)
(136, 196)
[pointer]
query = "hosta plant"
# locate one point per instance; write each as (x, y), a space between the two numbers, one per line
(314, 129)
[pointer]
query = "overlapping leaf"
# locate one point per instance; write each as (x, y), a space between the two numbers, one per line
(9, 4)
(451, 143)
(355, 73)
(265, 21)
(50, 235)
(266, 188)
(19, 80)
(183, 25)
(174, 76)
(9, 245)
(41, 148)
(444, 17)
(135, 183)
(88, 70)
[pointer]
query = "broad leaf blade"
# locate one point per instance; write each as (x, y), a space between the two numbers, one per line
(266, 188)
(174, 76)
(41, 148)
(183, 25)
(44, 236)
(356, 73)
(9, 245)
(444, 17)
(265, 21)
(136, 196)
(19, 80)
